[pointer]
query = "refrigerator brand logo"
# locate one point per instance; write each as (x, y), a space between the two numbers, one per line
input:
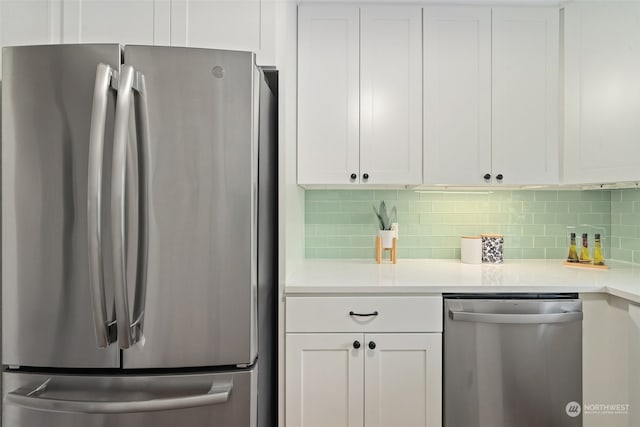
(217, 71)
(573, 409)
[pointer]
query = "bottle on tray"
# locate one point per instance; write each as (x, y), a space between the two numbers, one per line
(585, 257)
(573, 250)
(598, 259)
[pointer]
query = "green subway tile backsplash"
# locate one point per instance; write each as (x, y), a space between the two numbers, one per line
(341, 223)
(625, 225)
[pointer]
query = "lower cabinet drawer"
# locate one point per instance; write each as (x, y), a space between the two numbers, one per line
(364, 314)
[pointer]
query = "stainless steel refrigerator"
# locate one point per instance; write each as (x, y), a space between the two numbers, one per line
(138, 237)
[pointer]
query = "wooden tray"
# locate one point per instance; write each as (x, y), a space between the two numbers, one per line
(581, 265)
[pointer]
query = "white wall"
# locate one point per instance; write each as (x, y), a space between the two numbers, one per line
(291, 197)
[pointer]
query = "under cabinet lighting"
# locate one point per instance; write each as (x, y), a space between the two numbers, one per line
(451, 192)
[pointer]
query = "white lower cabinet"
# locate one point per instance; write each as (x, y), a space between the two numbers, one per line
(611, 351)
(403, 380)
(364, 378)
(324, 385)
(388, 380)
(633, 335)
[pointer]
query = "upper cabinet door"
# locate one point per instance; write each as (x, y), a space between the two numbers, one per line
(29, 23)
(391, 95)
(457, 95)
(328, 96)
(217, 24)
(602, 93)
(525, 74)
(125, 22)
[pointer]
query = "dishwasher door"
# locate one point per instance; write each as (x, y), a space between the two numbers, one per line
(512, 363)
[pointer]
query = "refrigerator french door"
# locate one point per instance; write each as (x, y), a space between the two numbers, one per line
(130, 219)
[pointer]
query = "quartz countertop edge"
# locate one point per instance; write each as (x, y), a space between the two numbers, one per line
(345, 277)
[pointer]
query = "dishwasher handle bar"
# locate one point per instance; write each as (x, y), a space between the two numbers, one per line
(521, 319)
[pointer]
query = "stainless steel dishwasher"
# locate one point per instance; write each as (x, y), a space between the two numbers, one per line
(512, 360)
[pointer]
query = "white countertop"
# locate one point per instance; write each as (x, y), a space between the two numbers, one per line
(444, 276)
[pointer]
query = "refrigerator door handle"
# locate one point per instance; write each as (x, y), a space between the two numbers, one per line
(464, 316)
(129, 332)
(104, 329)
(143, 138)
(35, 399)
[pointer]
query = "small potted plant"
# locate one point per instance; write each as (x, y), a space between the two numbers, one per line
(385, 220)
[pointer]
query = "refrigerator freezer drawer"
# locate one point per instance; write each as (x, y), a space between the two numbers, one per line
(220, 399)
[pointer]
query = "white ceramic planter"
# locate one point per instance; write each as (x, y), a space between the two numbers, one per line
(387, 238)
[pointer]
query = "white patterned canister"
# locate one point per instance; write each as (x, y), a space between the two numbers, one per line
(492, 248)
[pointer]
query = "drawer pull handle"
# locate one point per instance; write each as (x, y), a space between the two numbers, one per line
(352, 313)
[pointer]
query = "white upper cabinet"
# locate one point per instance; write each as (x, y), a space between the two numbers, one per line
(225, 24)
(125, 22)
(491, 95)
(359, 95)
(221, 24)
(457, 95)
(217, 24)
(491, 112)
(602, 93)
(390, 95)
(525, 97)
(343, 371)
(29, 23)
(328, 94)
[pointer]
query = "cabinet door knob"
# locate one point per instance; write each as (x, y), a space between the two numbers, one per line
(499, 177)
(353, 176)
(365, 176)
(487, 176)
(372, 345)
(356, 344)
